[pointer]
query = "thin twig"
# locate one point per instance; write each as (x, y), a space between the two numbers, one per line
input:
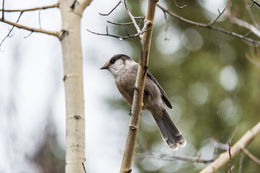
(120, 24)
(27, 36)
(215, 20)
(106, 14)
(31, 9)
(132, 17)
(168, 157)
(9, 33)
(57, 34)
(203, 25)
(251, 156)
(244, 24)
(112, 35)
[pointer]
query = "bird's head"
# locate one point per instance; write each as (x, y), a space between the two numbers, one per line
(118, 62)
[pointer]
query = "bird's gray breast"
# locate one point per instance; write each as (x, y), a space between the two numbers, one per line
(125, 83)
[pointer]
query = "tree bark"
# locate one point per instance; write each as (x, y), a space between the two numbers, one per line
(139, 85)
(71, 12)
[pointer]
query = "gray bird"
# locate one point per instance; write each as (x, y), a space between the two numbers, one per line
(124, 71)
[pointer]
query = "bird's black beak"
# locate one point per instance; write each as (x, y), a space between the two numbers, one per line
(104, 67)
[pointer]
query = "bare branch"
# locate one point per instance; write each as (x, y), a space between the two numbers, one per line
(27, 36)
(251, 156)
(112, 35)
(9, 33)
(132, 17)
(244, 24)
(56, 34)
(237, 147)
(203, 25)
(120, 24)
(196, 159)
(215, 20)
(56, 5)
(126, 23)
(106, 14)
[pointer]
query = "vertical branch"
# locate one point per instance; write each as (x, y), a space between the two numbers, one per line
(139, 89)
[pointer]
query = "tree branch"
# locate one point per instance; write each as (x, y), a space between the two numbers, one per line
(137, 103)
(203, 25)
(132, 17)
(244, 24)
(251, 156)
(31, 9)
(107, 14)
(9, 33)
(56, 34)
(237, 147)
(112, 35)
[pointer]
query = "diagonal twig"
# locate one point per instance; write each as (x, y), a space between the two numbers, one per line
(251, 156)
(216, 19)
(113, 35)
(203, 25)
(132, 17)
(31, 9)
(57, 34)
(107, 14)
(9, 33)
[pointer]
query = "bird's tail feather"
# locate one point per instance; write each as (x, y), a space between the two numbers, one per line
(169, 131)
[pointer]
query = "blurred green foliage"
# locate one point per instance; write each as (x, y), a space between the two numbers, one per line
(212, 85)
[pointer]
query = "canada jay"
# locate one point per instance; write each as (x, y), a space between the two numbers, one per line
(124, 70)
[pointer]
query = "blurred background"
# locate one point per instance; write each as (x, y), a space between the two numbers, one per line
(213, 87)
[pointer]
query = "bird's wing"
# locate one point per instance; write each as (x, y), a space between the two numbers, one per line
(163, 93)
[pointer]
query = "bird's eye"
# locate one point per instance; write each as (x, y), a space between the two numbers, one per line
(112, 61)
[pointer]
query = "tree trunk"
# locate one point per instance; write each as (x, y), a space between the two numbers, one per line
(71, 12)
